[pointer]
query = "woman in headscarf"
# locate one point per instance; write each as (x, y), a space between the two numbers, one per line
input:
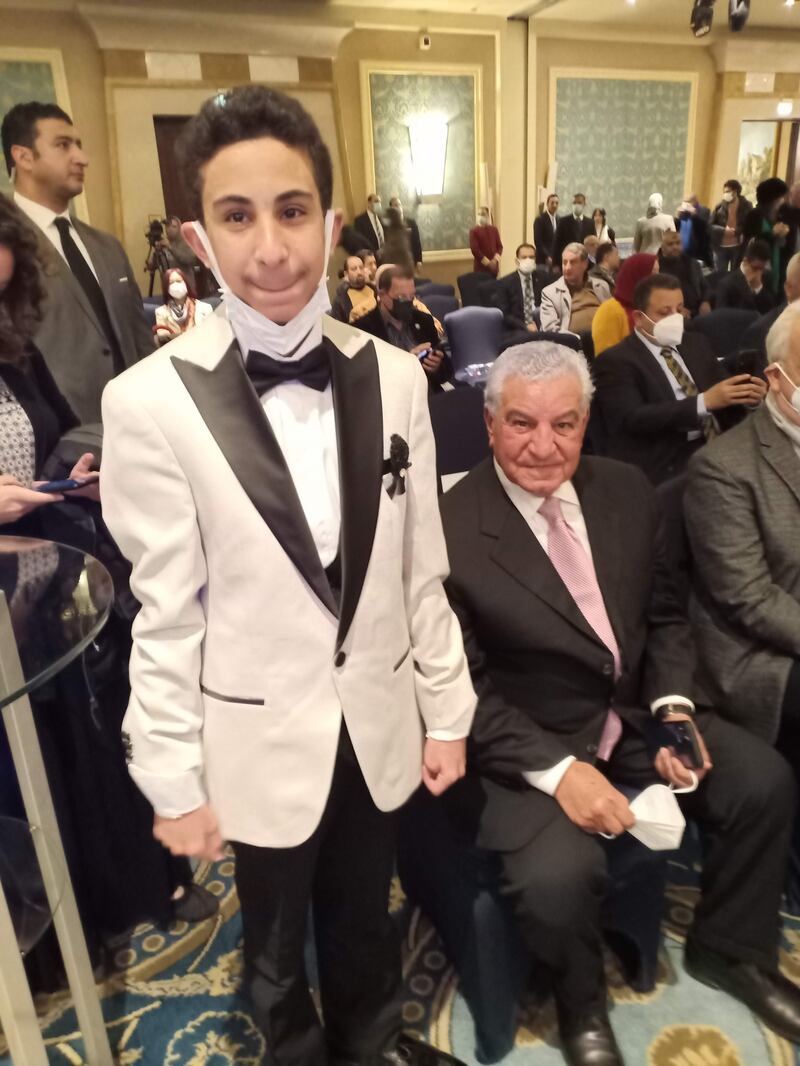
(651, 228)
(613, 321)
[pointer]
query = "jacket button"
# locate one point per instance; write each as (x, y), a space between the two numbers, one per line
(340, 659)
(608, 669)
(591, 749)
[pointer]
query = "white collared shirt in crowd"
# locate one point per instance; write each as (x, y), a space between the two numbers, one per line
(528, 504)
(44, 218)
(702, 411)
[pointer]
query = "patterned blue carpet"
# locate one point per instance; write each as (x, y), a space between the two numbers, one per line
(176, 1000)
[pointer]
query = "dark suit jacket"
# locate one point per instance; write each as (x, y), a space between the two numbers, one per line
(755, 336)
(544, 679)
(508, 297)
(690, 274)
(424, 330)
(568, 230)
(644, 423)
(414, 239)
(733, 291)
(544, 237)
(366, 230)
(70, 337)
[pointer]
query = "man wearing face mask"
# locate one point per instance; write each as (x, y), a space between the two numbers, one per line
(413, 230)
(742, 509)
(398, 321)
(296, 670)
(518, 294)
(369, 224)
(727, 222)
(571, 229)
(485, 244)
(661, 392)
(578, 647)
(354, 293)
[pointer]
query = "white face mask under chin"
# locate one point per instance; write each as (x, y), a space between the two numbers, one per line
(256, 332)
(794, 399)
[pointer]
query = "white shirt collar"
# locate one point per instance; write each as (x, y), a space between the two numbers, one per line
(528, 503)
(39, 214)
(651, 345)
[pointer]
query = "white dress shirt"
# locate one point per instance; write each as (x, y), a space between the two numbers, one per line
(376, 225)
(702, 411)
(44, 218)
(528, 504)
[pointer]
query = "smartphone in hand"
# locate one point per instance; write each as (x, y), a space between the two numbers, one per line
(681, 737)
(69, 484)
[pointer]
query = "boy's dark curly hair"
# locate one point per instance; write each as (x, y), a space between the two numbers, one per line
(21, 299)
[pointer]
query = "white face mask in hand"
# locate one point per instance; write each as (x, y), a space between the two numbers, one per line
(659, 821)
(262, 334)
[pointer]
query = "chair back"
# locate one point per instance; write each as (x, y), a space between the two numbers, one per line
(438, 305)
(723, 328)
(433, 288)
(469, 286)
(458, 429)
(475, 335)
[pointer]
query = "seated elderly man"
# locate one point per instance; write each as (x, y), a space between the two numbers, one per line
(569, 303)
(582, 660)
(742, 508)
(662, 393)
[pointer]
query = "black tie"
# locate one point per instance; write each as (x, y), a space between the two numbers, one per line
(84, 275)
(313, 369)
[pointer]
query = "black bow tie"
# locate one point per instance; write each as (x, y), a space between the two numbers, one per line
(313, 369)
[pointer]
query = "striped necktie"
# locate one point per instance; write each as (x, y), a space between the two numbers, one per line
(708, 426)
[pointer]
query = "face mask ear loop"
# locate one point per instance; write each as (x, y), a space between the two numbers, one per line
(688, 788)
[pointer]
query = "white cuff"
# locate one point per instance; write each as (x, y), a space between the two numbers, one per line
(702, 410)
(457, 731)
(549, 780)
(678, 701)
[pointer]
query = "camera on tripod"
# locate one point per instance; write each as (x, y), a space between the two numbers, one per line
(155, 231)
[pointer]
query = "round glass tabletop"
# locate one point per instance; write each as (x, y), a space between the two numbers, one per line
(58, 600)
(21, 881)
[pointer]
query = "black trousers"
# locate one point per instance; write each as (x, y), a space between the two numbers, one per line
(343, 872)
(557, 882)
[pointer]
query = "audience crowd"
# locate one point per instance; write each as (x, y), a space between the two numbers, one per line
(607, 658)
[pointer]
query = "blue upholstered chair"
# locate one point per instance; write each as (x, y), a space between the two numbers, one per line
(475, 335)
(434, 288)
(439, 304)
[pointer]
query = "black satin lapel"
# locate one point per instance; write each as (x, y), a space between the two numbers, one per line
(359, 431)
(236, 420)
(603, 525)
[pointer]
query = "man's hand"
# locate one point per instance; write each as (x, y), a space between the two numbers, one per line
(16, 500)
(592, 802)
(704, 308)
(432, 362)
(81, 470)
(780, 229)
(443, 763)
(672, 769)
(532, 327)
(195, 834)
(740, 389)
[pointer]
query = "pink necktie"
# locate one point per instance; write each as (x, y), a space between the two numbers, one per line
(576, 570)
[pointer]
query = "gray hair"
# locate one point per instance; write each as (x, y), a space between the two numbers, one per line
(779, 337)
(536, 361)
(577, 249)
(655, 205)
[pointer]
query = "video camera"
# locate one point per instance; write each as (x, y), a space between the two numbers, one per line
(155, 231)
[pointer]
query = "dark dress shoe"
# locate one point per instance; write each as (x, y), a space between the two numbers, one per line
(590, 1042)
(195, 905)
(769, 995)
(409, 1051)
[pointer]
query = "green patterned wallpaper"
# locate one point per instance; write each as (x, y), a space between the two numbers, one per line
(396, 98)
(618, 141)
(19, 83)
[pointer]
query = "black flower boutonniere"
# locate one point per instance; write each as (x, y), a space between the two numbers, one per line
(396, 465)
(127, 746)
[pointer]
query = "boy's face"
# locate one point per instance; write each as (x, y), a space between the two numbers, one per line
(264, 219)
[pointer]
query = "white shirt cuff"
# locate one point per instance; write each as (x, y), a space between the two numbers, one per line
(702, 410)
(678, 701)
(549, 780)
(457, 731)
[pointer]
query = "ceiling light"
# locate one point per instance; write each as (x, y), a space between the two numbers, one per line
(702, 17)
(738, 13)
(788, 3)
(785, 108)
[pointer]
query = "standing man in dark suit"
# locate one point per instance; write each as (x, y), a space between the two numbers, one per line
(93, 325)
(577, 648)
(544, 231)
(571, 229)
(369, 223)
(413, 230)
(661, 393)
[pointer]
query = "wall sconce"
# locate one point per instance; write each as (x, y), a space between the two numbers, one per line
(427, 135)
(785, 108)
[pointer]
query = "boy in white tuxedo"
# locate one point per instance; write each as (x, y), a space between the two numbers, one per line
(296, 668)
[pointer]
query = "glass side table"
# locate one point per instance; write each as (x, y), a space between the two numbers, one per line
(54, 600)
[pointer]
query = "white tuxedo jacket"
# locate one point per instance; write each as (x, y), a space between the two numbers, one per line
(243, 663)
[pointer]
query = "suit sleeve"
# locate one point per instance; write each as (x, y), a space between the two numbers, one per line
(728, 553)
(503, 299)
(445, 696)
(625, 407)
(149, 509)
(504, 739)
(550, 321)
(143, 340)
